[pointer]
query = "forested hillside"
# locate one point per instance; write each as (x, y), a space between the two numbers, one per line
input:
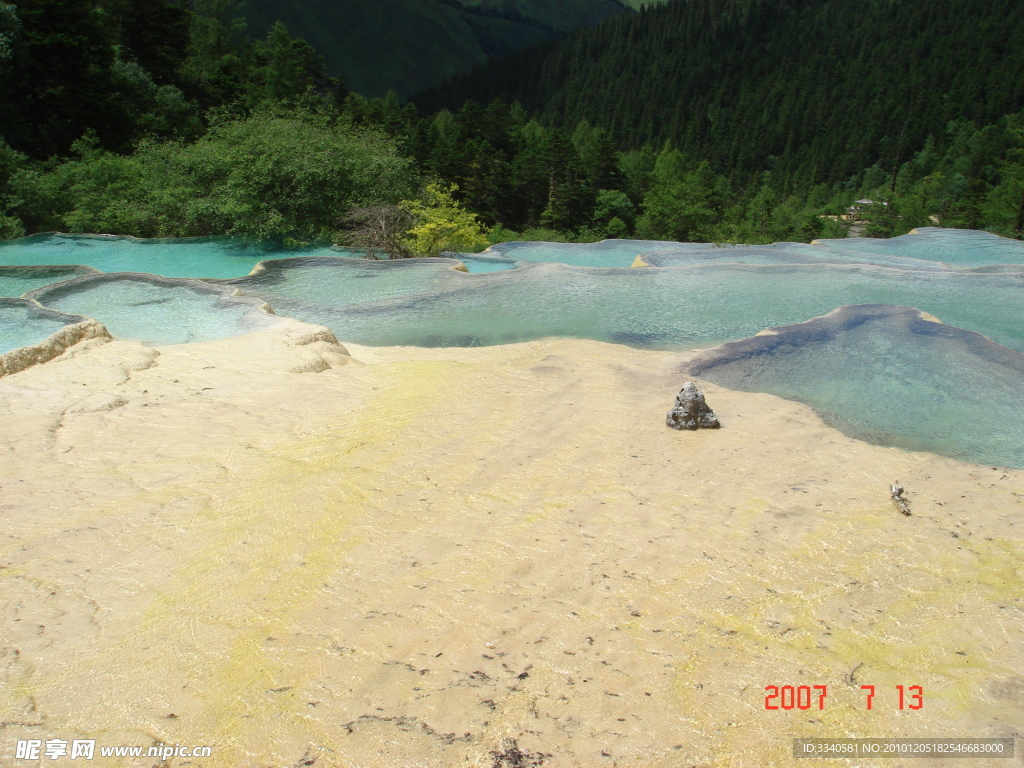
(707, 120)
(408, 45)
(813, 90)
(563, 15)
(143, 117)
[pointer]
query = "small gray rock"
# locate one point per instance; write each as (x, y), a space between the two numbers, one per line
(690, 410)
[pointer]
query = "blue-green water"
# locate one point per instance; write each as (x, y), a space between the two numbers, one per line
(23, 324)
(960, 248)
(336, 282)
(477, 263)
(672, 308)
(200, 257)
(204, 257)
(929, 249)
(918, 385)
(609, 253)
(784, 253)
(15, 281)
(156, 311)
(692, 295)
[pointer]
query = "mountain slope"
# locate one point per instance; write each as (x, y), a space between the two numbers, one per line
(409, 45)
(638, 4)
(812, 89)
(563, 15)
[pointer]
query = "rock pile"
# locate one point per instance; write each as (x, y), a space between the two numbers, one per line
(690, 410)
(896, 492)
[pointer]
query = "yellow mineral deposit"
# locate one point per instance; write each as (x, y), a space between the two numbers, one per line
(291, 551)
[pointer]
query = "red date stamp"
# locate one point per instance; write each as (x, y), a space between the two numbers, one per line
(813, 696)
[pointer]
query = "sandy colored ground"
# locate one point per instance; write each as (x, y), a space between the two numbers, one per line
(415, 557)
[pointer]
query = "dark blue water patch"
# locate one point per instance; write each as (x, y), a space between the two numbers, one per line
(888, 375)
(649, 340)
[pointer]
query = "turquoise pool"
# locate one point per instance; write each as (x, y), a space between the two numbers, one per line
(665, 308)
(691, 295)
(918, 385)
(204, 257)
(200, 257)
(15, 281)
(962, 248)
(156, 310)
(22, 323)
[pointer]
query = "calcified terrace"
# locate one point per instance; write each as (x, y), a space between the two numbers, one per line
(397, 556)
(297, 550)
(894, 386)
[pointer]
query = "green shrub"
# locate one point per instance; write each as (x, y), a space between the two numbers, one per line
(267, 177)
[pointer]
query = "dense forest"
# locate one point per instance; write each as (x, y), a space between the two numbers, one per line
(700, 120)
(812, 90)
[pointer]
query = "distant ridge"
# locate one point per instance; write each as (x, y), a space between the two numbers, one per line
(409, 45)
(562, 15)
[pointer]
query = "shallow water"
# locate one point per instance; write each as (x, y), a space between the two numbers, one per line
(213, 257)
(478, 263)
(335, 282)
(692, 295)
(654, 308)
(133, 307)
(960, 248)
(15, 281)
(22, 324)
(883, 375)
(606, 254)
(783, 253)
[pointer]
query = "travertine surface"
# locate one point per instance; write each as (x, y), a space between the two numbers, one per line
(412, 557)
(53, 346)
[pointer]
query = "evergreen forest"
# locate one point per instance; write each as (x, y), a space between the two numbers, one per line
(693, 120)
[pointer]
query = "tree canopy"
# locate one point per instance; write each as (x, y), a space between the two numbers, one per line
(710, 120)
